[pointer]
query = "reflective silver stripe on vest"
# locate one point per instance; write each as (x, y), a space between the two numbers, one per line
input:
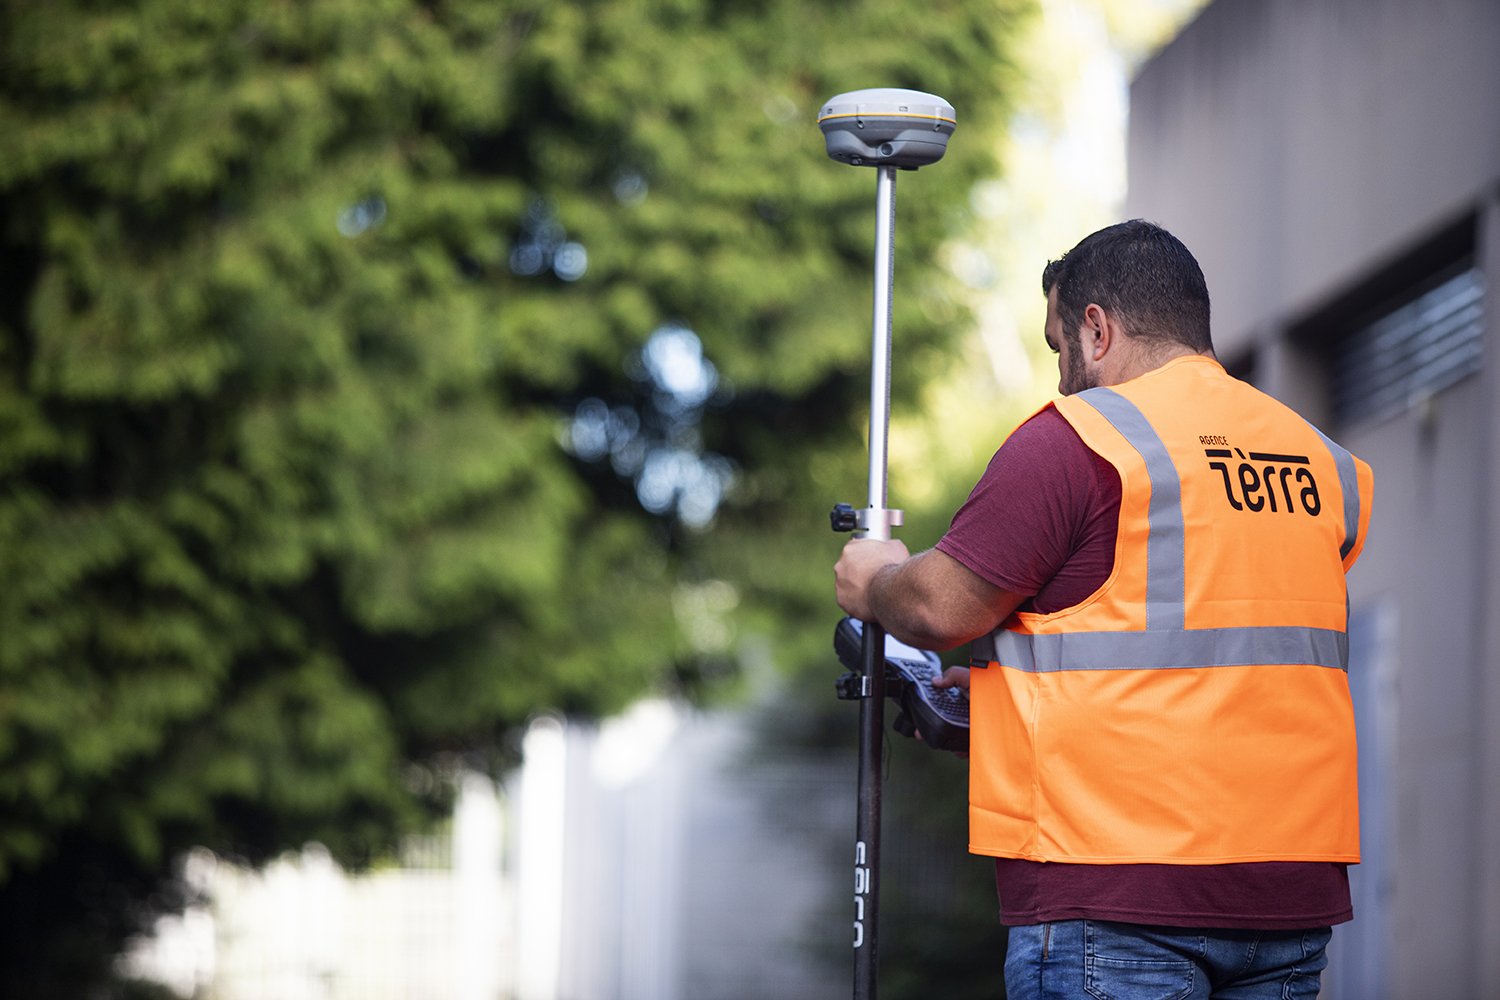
(1166, 556)
(1184, 648)
(1349, 483)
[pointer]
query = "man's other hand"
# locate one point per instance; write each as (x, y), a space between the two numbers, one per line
(861, 560)
(954, 677)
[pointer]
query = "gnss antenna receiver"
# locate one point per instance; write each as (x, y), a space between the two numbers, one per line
(886, 129)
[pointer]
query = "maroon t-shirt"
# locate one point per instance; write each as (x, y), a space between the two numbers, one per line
(1042, 522)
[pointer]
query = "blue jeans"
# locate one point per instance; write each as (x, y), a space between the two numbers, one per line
(1097, 960)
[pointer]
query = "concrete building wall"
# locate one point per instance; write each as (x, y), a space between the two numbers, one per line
(1296, 144)
(1487, 693)
(1421, 562)
(1299, 148)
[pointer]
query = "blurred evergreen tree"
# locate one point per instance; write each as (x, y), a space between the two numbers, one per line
(308, 309)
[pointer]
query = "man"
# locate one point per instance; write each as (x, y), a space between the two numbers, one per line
(1152, 573)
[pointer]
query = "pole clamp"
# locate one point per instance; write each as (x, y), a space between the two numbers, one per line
(866, 522)
(852, 686)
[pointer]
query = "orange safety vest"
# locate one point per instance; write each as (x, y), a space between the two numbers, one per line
(1195, 709)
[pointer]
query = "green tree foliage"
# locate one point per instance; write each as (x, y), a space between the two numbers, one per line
(283, 508)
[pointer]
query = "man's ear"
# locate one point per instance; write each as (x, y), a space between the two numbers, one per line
(1098, 333)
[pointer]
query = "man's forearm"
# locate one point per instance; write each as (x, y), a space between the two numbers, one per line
(901, 598)
(931, 600)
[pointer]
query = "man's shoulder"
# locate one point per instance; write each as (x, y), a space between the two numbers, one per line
(1045, 456)
(1045, 437)
(1044, 498)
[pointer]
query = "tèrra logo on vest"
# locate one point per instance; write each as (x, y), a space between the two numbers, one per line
(1261, 475)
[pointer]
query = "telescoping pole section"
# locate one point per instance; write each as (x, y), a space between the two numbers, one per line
(884, 129)
(872, 705)
(880, 344)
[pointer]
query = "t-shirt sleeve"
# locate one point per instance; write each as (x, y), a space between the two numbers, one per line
(1037, 504)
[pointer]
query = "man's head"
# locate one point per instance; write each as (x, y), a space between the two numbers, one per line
(1132, 289)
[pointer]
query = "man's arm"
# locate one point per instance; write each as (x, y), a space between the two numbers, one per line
(930, 600)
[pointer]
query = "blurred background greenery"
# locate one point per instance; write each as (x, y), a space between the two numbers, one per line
(374, 375)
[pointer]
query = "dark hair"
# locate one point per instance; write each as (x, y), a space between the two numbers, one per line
(1139, 273)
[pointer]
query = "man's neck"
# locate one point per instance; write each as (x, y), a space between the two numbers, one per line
(1144, 357)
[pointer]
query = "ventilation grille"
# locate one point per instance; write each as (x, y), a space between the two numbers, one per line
(1412, 352)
